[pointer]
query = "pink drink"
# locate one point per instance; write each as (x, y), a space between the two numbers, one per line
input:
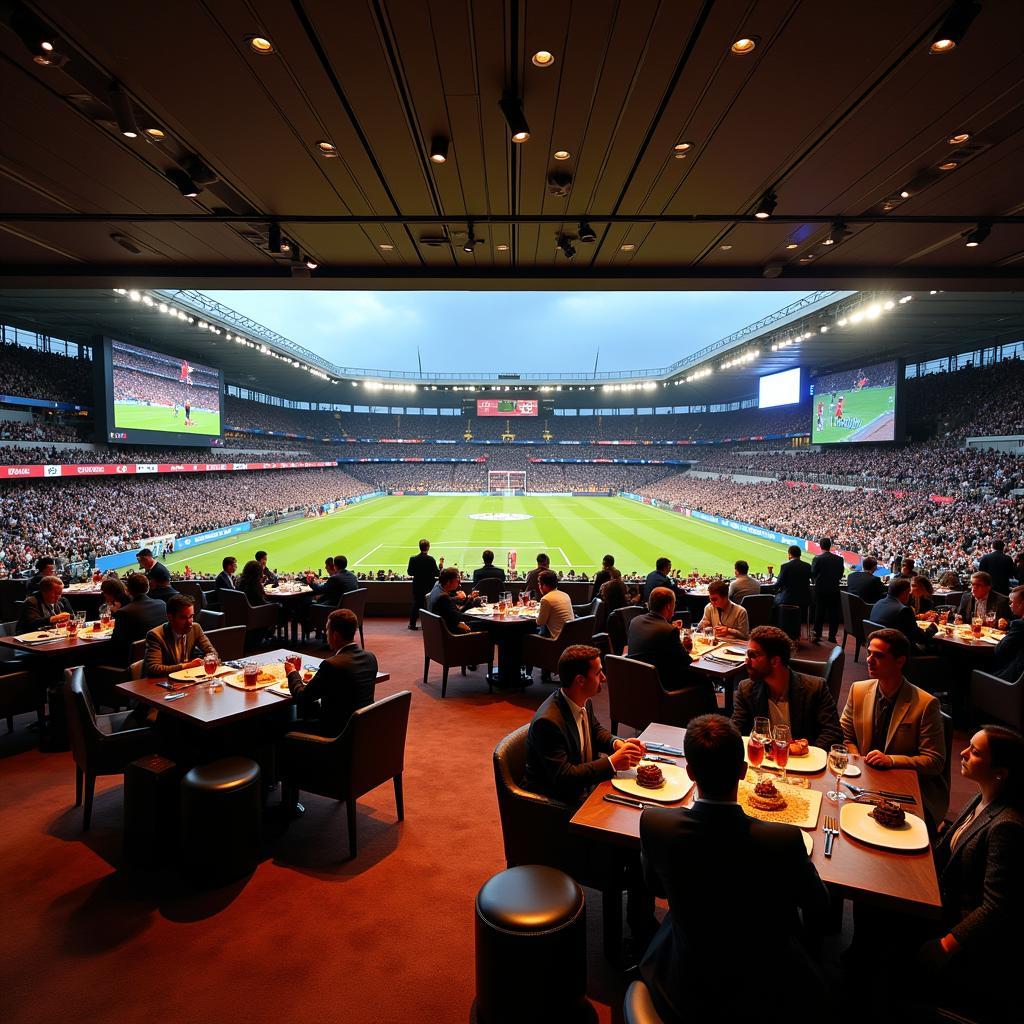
(210, 664)
(755, 752)
(781, 753)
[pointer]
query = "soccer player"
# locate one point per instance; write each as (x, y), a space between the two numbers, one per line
(512, 557)
(186, 372)
(177, 409)
(821, 412)
(831, 409)
(188, 413)
(839, 409)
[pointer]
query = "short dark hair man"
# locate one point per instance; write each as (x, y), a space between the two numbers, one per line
(894, 612)
(714, 838)
(45, 566)
(48, 607)
(448, 600)
(602, 576)
(727, 619)
(488, 571)
(864, 583)
(530, 585)
(179, 643)
(999, 566)
(774, 691)
(342, 582)
(660, 578)
(793, 585)
(226, 577)
(132, 622)
(158, 574)
(827, 570)
(269, 579)
(1008, 658)
(424, 572)
(984, 600)
(742, 586)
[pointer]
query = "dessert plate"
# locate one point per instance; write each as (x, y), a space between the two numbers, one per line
(677, 784)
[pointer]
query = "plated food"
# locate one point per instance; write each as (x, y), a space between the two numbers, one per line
(889, 814)
(766, 797)
(798, 748)
(650, 776)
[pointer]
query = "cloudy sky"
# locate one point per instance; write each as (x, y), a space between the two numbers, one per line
(505, 331)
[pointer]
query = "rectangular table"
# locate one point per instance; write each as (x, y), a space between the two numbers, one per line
(902, 881)
(721, 673)
(58, 648)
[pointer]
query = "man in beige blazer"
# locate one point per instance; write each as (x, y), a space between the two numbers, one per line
(895, 724)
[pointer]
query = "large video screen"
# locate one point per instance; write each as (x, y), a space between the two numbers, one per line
(855, 405)
(160, 399)
(507, 407)
(779, 389)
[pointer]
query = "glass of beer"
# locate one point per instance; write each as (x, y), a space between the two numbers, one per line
(250, 673)
(105, 616)
(976, 623)
(72, 627)
(293, 663)
(210, 663)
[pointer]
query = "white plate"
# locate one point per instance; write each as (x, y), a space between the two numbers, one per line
(40, 637)
(808, 841)
(733, 649)
(814, 761)
(677, 784)
(856, 821)
(186, 675)
(726, 655)
(852, 771)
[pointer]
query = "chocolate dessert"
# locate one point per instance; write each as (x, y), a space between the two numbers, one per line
(650, 776)
(889, 813)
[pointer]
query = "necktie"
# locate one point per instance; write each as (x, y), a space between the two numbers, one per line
(588, 754)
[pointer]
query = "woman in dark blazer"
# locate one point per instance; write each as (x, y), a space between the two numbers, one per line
(922, 600)
(251, 583)
(979, 863)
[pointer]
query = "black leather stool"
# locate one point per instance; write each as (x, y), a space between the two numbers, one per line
(531, 948)
(220, 820)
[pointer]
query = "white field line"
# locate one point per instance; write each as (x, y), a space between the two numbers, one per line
(565, 558)
(367, 555)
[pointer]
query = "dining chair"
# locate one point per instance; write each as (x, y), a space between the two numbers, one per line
(855, 611)
(490, 587)
(229, 642)
(994, 698)
(636, 697)
(257, 619)
(449, 649)
(193, 590)
(543, 652)
(20, 694)
(355, 602)
(831, 670)
(618, 626)
(758, 608)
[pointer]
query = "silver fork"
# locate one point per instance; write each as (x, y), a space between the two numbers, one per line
(831, 830)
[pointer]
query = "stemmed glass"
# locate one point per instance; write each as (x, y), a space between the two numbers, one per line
(838, 759)
(782, 736)
(760, 737)
(210, 663)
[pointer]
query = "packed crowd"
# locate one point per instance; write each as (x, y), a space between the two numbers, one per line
(148, 387)
(56, 378)
(39, 430)
(38, 455)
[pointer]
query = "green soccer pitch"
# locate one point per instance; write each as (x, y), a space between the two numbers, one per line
(574, 532)
(872, 406)
(129, 416)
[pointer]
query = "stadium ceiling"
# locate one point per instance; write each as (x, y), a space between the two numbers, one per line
(859, 330)
(147, 145)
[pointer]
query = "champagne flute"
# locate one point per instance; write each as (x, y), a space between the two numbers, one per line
(838, 759)
(760, 737)
(782, 735)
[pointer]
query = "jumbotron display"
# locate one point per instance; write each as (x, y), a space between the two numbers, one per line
(507, 407)
(855, 405)
(777, 389)
(160, 399)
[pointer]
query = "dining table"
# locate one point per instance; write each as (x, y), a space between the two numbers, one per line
(904, 881)
(291, 597)
(508, 630)
(713, 659)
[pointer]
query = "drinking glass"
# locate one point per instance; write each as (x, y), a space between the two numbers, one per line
(80, 617)
(958, 619)
(105, 616)
(760, 737)
(250, 673)
(709, 632)
(943, 611)
(782, 736)
(990, 620)
(976, 622)
(72, 627)
(838, 759)
(210, 663)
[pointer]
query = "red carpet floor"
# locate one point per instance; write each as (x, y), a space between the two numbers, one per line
(309, 936)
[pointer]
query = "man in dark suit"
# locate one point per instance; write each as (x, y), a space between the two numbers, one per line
(45, 566)
(226, 577)
(46, 608)
(158, 574)
(269, 579)
(999, 566)
(447, 600)
(179, 643)
(983, 600)
(864, 583)
(716, 839)
(827, 570)
(894, 612)
(793, 585)
(774, 691)
(132, 622)
(655, 639)
(342, 582)
(343, 683)
(423, 570)
(488, 571)
(602, 576)
(531, 586)
(1009, 653)
(660, 578)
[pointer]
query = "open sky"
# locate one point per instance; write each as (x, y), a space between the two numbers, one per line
(504, 331)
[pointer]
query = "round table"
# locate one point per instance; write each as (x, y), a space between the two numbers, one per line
(508, 632)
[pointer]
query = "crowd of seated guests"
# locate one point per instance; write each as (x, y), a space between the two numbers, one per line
(40, 430)
(105, 455)
(29, 373)
(147, 387)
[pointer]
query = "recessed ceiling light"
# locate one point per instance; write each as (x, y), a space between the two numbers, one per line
(942, 46)
(561, 154)
(311, 263)
(682, 147)
(502, 247)
(904, 194)
(949, 165)
(628, 247)
(792, 245)
(260, 44)
(960, 137)
(327, 148)
(725, 248)
(543, 59)
(156, 134)
(385, 247)
(744, 45)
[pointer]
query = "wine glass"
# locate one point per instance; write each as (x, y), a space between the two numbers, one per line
(105, 616)
(760, 737)
(838, 759)
(976, 621)
(210, 663)
(782, 736)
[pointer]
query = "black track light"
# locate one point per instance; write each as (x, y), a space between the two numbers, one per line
(586, 233)
(184, 184)
(512, 107)
(838, 233)
(274, 238)
(123, 112)
(954, 26)
(439, 149)
(766, 207)
(471, 240)
(40, 40)
(568, 249)
(974, 238)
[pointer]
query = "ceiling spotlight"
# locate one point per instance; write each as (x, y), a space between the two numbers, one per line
(561, 154)
(954, 26)
(327, 149)
(766, 207)
(471, 240)
(949, 165)
(260, 44)
(39, 39)
(565, 244)
(792, 245)
(438, 149)
(838, 233)
(502, 247)
(682, 147)
(543, 59)
(627, 247)
(183, 182)
(512, 107)
(155, 134)
(725, 248)
(744, 45)
(904, 194)
(959, 138)
(978, 235)
(586, 233)
(386, 247)
(122, 107)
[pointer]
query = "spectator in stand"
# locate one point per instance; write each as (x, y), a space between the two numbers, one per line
(908, 569)
(728, 620)
(1009, 652)
(141, 614)
(179, 643)
(268, 579)
(999, 566)
(329, 567)
(115, 594)
(893, 612)
(864, 583)
(226, 577)
(983, 601)
(793, 585)
(660, 578)
(45, 608)
(602, 576)
(45, 566)
(774, 691)
(827, 570)
(530, 586)
(158, 575)
(742, 585)
(424, 571)
(921, 602)
(555, 606)
(488, 571)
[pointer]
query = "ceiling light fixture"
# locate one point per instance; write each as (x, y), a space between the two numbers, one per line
(512, 108)
(543, 59)
(260, 44)
(838, 233)
(766, 207)
(565, 244)
(954, 26)
(978, 235)
(122, 108)
(904, 194)
(155, 134)
(327, 149)
(386, 247)
(627, 247)
(502, 247)
(471, 240)
(949, 165)
(183, 182)
(744, 45)
(682, 147)
(792, 245)
(561, 154)
(586, 233)
(39, 39)
(438, 149)
(959, 138)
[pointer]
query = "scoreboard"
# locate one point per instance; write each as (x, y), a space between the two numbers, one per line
(507, 407)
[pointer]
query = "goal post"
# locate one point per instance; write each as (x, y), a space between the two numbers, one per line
(506, 483)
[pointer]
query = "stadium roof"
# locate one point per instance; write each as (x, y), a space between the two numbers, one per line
(921, 328)
(672, 142)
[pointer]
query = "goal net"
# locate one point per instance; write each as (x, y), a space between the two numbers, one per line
(507, 483)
